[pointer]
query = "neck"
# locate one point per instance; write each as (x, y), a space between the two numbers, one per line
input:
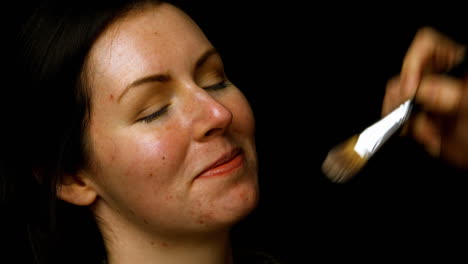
(128, 244)
(207, 251)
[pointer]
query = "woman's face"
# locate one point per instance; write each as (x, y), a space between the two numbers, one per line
(171, 139)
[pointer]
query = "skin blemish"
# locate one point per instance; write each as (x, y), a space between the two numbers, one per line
(164, 244)
(243, 196)
(164, 157)
(205, 218)
(111, 97)
(145, 221)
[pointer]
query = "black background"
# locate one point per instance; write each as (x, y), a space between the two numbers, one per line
(315, 74)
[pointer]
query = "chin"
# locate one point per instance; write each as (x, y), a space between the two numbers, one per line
(232, 204)
(242, 204)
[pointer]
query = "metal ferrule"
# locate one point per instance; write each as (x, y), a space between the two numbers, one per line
(373, 137)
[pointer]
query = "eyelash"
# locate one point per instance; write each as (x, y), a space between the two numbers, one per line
(153, 116)
(223, 84)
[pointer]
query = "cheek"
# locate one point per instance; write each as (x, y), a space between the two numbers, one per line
(140, 158)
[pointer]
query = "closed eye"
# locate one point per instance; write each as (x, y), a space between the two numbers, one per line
(154, 115)
(218, 86)
(162, 111)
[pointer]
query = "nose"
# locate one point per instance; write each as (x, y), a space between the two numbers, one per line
(211, 117)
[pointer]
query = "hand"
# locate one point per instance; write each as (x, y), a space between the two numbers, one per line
(442, 124)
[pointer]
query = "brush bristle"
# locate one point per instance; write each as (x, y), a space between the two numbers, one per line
(342, 162)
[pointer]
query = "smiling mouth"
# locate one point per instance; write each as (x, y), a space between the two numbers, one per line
(225, 165)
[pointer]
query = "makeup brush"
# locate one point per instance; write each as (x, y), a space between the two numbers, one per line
(346, 159)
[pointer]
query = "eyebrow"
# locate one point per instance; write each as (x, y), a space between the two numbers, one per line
(164, 77)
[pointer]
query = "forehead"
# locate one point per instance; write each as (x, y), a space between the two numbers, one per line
(148, 37)
(162, 20)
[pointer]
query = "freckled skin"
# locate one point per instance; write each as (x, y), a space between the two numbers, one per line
(145, 173)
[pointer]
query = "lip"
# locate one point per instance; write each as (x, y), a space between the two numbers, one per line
(227, 163)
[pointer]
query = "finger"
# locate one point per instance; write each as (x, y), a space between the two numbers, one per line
(392, 97)
(426, 130)
(439, 93)
(454, 146)
(429, 50)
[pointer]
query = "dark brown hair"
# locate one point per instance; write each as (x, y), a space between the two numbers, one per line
(49, 127)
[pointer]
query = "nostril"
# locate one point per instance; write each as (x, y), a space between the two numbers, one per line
(213, 131)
